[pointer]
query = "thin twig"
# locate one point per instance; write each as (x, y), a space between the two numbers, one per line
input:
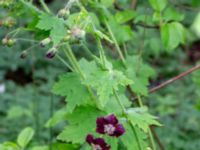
(162, 85)
(133, 4)
(156, 138)
(178, 77)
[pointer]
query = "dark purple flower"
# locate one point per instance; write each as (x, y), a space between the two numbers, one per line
(97, 143)
(109, 125)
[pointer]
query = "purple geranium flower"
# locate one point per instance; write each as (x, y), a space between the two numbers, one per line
(97, 143)
(109, 125)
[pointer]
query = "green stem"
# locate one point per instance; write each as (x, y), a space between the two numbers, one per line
(101, 51)
(74, 61)
(126, 116)
(71, 62)
(116, 43)
(64, 62)
(87, 50)
(31, 6)
(45, 6)
(149, 131)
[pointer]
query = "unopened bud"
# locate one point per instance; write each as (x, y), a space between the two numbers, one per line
(9, 22)
(45, 42)
(51, 53)
(23, 54)
(78, 33)
(63, 12)
(11, 42)
(5, 41)
(66, 38)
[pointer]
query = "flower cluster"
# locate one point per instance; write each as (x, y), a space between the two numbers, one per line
(108, 125)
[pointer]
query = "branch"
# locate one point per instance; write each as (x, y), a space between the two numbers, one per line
(148, 26)
(133, 4)
(178, 77)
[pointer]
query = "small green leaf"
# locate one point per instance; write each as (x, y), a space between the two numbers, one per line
(172, 35)
(158, 5)
(25, 137)
(125, 16)
(196, 25)
(171, 14)
(55, 25)
(56, 118)
(141, 118)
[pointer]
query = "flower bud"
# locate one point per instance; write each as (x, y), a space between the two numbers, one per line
(11, 42)
(51, 53)
(23, 54)
(9, 22)
(66, 38)
(5, 41)
(63, 13)
(78, 33)
(45, 42)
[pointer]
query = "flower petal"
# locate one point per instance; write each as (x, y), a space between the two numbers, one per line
(90, 139)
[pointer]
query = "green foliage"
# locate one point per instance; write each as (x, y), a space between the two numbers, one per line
(81, 123)
(139, 73)
(55, 25)
(25, 137)
(195, 25)
(103, 81)
(141, 118)
(158, 5)
(135, 37)
(172, 35)
(69, 85)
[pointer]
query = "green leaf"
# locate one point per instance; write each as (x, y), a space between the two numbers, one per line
(55, 25)
(69, 86)
(81, 123)
(125, 16)
(107, 3)
(141, 118)
(172, 35)
(122, 33)
(25, 137)
(171, 14)
(10, 146)
(158, 5)
(64, 146)
(112, 105)
(40, 148)
(57, 117)
(196, 25)
(140, 73)
(103, 81)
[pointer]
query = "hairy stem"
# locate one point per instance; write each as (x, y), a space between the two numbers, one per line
(45, 6)
(116, 43)
(126, 116)
(153, 145)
